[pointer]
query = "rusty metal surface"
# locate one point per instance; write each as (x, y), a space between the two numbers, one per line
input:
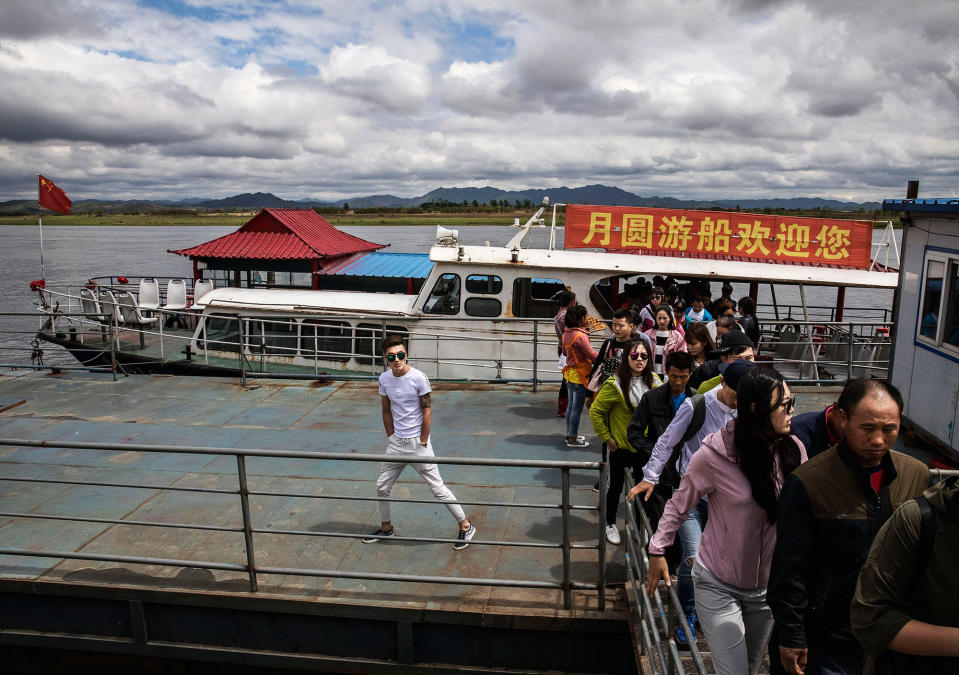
(474, 421)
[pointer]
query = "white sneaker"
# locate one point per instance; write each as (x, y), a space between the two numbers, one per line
(612, 535)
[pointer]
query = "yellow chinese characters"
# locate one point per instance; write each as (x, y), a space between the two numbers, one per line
(602, 224)
(833, 243)
(793, 241)
(752, 237)
(676, 233)
(637, 231)
(713, 236)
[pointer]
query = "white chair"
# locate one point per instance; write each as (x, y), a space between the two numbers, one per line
(201, 288)
(175, 302)
(131, 314)
(110, 307)
(149, 298)
(90, 306)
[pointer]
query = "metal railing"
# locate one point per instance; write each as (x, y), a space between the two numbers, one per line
(249, 530)
(655, 617)
(346, 346)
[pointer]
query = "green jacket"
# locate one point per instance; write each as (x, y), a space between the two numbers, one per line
(610, 414)
(893, 588)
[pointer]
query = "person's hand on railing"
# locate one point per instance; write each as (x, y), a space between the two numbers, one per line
(644, 488)
(658, 569)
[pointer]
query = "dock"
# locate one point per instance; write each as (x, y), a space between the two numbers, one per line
(135, 610)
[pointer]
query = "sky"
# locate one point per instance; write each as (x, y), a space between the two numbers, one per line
(696, 99)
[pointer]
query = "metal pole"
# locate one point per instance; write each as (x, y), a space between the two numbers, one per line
(603, 490)
(849, 355)
(247, 521)
(772, 292)
(40, 223)
(113, 353)
(239, 332)
(567, 590)
(812, 346)
(535, 353)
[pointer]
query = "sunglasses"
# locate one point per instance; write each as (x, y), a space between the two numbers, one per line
(396, 355)
(639, 356)
(788, 403)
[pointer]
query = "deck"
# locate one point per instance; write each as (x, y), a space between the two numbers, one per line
(502, 422)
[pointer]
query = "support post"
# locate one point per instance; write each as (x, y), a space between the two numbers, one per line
(113, 351)
(247, 520)
(535, 354)
(239, 332)
(603, 490)
(567, 590)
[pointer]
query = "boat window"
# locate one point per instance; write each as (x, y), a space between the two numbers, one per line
(489, 284)
(532, 297)
(273, 336)
(599, 294)
(932, 299)
(326, 339)
(445, 296)
(951, 335)
(369, 339)
(220, 333)
(483, 307)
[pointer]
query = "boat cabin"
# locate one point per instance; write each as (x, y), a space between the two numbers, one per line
(925, 364)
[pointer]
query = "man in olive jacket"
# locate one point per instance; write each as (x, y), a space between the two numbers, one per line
(905, 611)
(830, 510)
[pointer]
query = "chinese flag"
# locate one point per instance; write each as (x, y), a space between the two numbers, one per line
(52, 197)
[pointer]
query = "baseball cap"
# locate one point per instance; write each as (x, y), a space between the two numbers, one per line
(734, 370)
(726, 342)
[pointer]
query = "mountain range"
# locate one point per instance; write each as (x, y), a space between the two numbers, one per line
(589, 194)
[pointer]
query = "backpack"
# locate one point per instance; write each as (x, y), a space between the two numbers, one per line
(606, 366)
(695, 424)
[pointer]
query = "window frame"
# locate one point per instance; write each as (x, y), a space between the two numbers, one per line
(485, 299)
(950, 261)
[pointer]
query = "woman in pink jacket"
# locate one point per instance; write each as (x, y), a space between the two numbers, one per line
(664, 338)
(741, 469)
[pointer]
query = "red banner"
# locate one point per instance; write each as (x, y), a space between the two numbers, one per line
(718, 234)
(53, 198)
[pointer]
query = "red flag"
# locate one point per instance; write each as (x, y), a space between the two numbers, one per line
(52, 197)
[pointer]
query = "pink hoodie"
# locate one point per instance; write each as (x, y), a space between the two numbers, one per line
(737, 545)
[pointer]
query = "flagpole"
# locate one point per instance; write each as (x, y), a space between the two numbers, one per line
(40, 222)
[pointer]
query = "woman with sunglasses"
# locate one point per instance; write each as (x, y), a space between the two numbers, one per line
(741, 468)
(611, 412)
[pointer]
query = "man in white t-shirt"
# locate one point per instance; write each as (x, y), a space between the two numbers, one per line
(407, 416)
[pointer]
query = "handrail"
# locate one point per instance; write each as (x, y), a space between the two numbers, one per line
(249, 530)
(638, 533)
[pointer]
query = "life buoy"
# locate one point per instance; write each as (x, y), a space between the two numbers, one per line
(37, 284)
(122, 280)
(91, 284)
(882, 331)
(820, 333)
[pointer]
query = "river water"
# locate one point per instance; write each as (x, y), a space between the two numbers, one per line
(73, 254)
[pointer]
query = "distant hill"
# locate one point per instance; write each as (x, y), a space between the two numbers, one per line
(587, 194)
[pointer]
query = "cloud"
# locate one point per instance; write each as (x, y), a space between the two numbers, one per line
(703, 98)
(370, 73)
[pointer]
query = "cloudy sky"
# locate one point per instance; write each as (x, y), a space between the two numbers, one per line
(332, 99)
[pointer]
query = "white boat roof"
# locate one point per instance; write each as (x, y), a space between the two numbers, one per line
(287, 300)
(554, 263)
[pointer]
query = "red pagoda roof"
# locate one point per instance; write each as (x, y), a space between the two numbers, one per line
(282, 234)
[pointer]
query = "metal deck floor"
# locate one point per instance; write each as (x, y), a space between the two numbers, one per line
(469, 421)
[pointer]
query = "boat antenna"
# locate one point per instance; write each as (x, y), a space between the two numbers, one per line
(517, 241)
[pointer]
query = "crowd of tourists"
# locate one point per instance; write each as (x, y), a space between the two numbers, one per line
(784, 532)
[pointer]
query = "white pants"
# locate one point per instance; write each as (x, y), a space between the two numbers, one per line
(736, 621)
(390, 471)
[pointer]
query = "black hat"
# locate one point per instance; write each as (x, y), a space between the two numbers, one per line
(734, 370)
(731, 338)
